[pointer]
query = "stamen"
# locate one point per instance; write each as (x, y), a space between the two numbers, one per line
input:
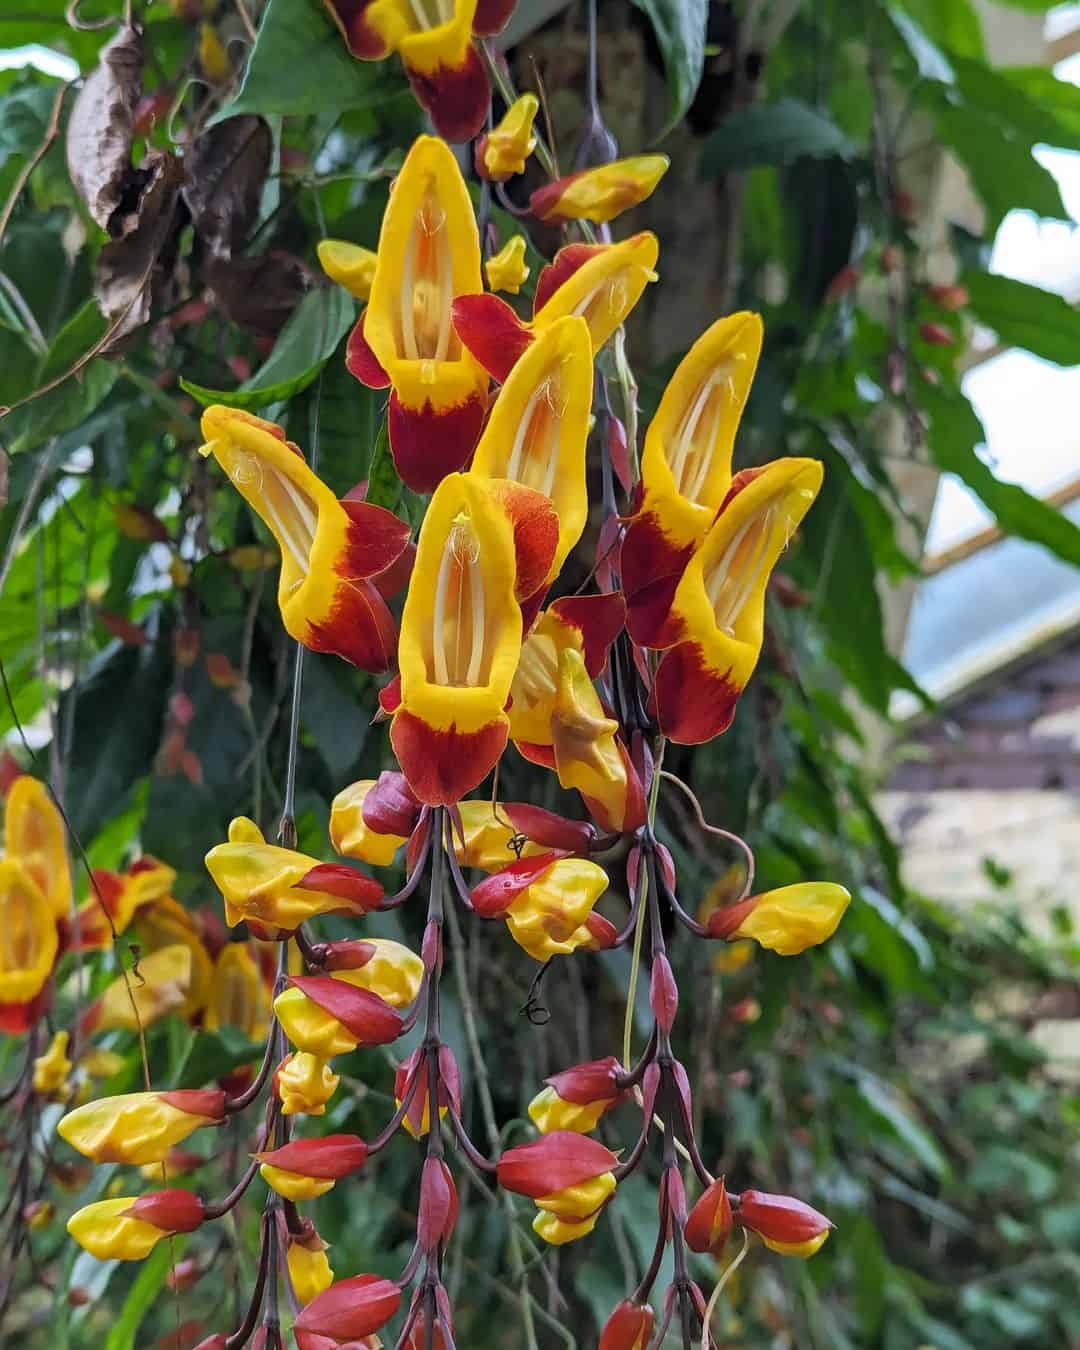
(731, 583)
(442, 587)
(688, 447)
(476, 595)
(444, 291)
(408, 316)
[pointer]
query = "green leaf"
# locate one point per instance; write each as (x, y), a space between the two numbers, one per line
(1026, 316)
(1040, 87)
(1033, 116)
(772, 133)
(300, 64)
(955, 431)
(895, 1116)
(213, 1054)
(954, 26)
(335, 715)
(143, 1294)
(304, 346)
(384, 485)
(680, 27)
(930, 60)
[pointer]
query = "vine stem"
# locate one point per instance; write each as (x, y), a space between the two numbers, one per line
(710, 1307)
(643, 888)
(487, 1107)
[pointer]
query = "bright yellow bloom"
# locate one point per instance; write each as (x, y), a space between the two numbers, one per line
(802, 1249)
(539, 426)
(507, 270)
(305, 1084)
(460, 639)
(485, 838)
(309, 1270)
(295, 1185)
(51, 1069)
(572, 1213)
(394, 973)
(28, 939)
(158, 985)
(239, 996)
(599, 194)
(786, 921)
(140, 1127)
(97, 1063)
(548, 1111)
(348, 264)
(104, 1230)
(547, 918)
(502, 152)
(34, 835)
(265, 884)
(350, 835)
(167, 923)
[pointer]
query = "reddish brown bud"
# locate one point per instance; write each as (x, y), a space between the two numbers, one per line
(329, 1156)
(344, 881)
(348, 954)
(618, 452)
(844, 281)
(175, 1211)
(390, 807)
(629, 1327)
(347, 1311)
(782, 1221)
(602, 931)
(936, 334)
(553, 1163)
(548, 829)
(671, 1199)
(663, 993)
(586, 1083)
(710, 1221)
(438, 1205)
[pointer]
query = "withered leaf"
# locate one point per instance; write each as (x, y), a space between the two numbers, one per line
(259, 293)
(129, 269)
(226, 170)
(100, 132)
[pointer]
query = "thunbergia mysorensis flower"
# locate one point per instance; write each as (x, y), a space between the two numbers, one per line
(576, 1098)
(333, 553)
(547, 902)
(434, 39)
(601, 193)
(34, 835)
(275, 889)
(304, 1083)
(460, 639)
(129, 1227)
(716, 626)
(429, 254)
(539, 425)
(686, 467)
(501, 153)
(140, 1127)
(788, 920)
(629, 1327)
(568, 1176)
(306, 1168)
(784, 1224)
(117, 897)
(326, 1017)
(28, 947)
(349, 265)
(308, 1264)
(348, 1310)
(600, 283)
(371, 819)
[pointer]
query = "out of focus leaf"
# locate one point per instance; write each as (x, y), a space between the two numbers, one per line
(680, 28)
(214, 1054)
(144, 1292)
(771, 133)
(1026, 316)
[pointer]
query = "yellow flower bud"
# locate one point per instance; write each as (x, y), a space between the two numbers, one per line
(349, 265)
(309, 1271)
(394, 973)
(599, 194)
(52, 1068)
(305, 1084)
(508, 270)
(503, 151)
(793, 918)
(140, 1127)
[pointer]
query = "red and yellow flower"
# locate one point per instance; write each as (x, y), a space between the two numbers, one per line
(239, 996)
(716, 625)
(461, 636)
(347, 1312)
(547, 902)
(686, 467)
(709, 1223)
(304, 1084)
(333, 553)
(569, 1177)
(434, 39)
(160, 985)
(308, 1265)
(28, 947)
(600, 283)
(306, 1168)
(129, 1227)
(276, 889)
(784, 1224)
(629, 1327)
(413, 1071)
(429, 254)
(601, 193)
(325, 1016)
(786, 921)
(117, 897)
(34, 835)
(371, 819)
(140, 1127)
(501, 153)
(380, 965)
(576, 1098)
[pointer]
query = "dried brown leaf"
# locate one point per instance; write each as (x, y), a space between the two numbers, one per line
(259, 293)
(100, 132)
(226, 170)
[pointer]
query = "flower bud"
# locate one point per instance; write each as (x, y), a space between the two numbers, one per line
(128, 1228)
(599, 194)
(304, 1083)
(576, 1098)
(438, 1205)
(663, 993)
(350, 266)
(140, 1127)
(306, 1168)
(309, 1268)
(348, 1311)
(502, 152)
(381, 966)
(546, 901)
(629, 1327)
(786, 921)
(709, 1224)
(784, 1224)
(371, 819)
(507, 270)
(417, 1119)
(326, 1016)
(568, 1176)
(51, 1069)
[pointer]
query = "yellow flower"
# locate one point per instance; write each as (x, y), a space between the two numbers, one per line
(502, 152)
(305, 1084)
(309, 1270)
(140, 1127)
(507, 270)
(239, 996)
(34, 835)
(128, 1227)
(30, 942)
(393, 972)
(599, 194)
(486, 832)
(52, 1068)
(167, 923)
(158, 985)
(349, 265)
(786, 921)
(350, 835)
(570, 1214)
(548, 1112)
(548, 917)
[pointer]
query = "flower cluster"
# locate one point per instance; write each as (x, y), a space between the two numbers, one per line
(481, 648)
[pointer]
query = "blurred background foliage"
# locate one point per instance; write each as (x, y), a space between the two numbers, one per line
(889, 1078)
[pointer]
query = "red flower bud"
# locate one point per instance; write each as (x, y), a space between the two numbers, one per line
(781, 1219)
(331, 1156)
(547, 829)
(347, 1311)
(175, 1211)
(364, 1014)
(603, 932)
(629, 1327)
(710, 1221)
(349, 954)
(618, 452)
(586, 1083)
(438, 1205)
(390, 807)
(554, 1163)
(184, 1274)
(212, 1343)
(344, 881)
(936, 335)
(663, 993)
(671, 1199)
